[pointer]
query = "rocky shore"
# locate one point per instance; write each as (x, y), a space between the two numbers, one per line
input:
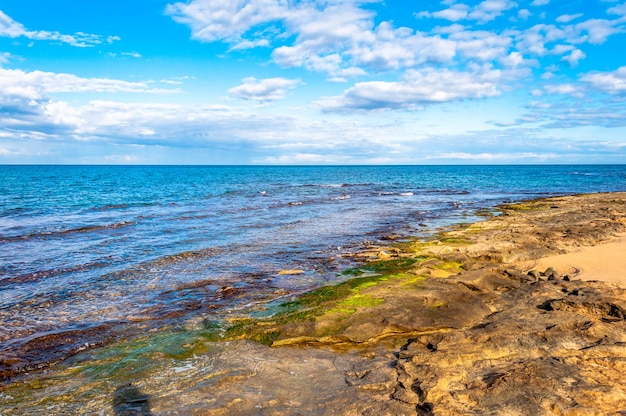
(474, 322)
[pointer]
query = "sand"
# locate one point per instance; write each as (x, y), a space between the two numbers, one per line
(604, 262)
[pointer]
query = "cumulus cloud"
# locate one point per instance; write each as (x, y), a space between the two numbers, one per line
(269, 89)
(12, 29)
(619, 10)
(212, 20)
(574, 57)
(485, 11)
(609, 82)
(538, 39)
(454, 13)
(415, 89)
(26, 103)
(324, 36)
(596, 31)
(343, 40)
(488, 10)
(391, 48)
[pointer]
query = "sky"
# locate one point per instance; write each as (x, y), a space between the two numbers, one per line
(312, 82)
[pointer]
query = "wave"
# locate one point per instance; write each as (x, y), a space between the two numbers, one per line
(182, 256)
(446, 192)
(111, 207)
(13, 211)
(46, 274)
(586, 174)
(337, 185)
(52, 234)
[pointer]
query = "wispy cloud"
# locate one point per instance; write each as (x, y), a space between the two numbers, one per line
(269, 89)
(12, 29)
(35, 84)
(483, 12)
(416, 88)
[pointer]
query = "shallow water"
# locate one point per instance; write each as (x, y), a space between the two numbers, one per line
(88, 252)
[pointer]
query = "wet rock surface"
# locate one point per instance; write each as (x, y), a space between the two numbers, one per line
(468, 329)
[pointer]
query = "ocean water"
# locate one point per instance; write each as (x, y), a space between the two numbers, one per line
(84, 247)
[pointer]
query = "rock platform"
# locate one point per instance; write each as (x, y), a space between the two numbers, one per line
(464, 324)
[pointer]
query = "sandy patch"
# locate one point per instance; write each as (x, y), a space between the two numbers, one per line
(605, 262)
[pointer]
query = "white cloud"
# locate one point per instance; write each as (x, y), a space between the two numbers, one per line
(338, 36)
(123, 159)
(562, 49)
(516, 60)
(270, 89)
(415, 89)
(12, 29)
(344, 74)
(490, 156)
(250, 44)
(335, 37)
(212, 20)
(537, 39)
(539, 2)
(36, 84)
(391, 48)
(454, 13)
(566, 89)
(619, 10)
(566, 18)
(598, 30)
(302, 158)
(325, 36)
(136, 55)
(26, 103)
(488, 10)
(485, 11)
(574, 57)
(609, 82)
(481, 45)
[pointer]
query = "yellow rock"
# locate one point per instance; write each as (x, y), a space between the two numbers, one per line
(291, 271)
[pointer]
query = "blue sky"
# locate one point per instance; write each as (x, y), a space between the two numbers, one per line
(312, 82)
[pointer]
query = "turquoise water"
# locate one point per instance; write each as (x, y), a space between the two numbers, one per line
(83, 246)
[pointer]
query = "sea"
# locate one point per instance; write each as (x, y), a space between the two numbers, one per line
(90, 251)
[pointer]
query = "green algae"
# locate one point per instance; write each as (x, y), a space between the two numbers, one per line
(527, 206)
(341, 299)
(410, 279)
(454, 241)
(451, 266)
(137, 358)
(350, 305)
(384, 266)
